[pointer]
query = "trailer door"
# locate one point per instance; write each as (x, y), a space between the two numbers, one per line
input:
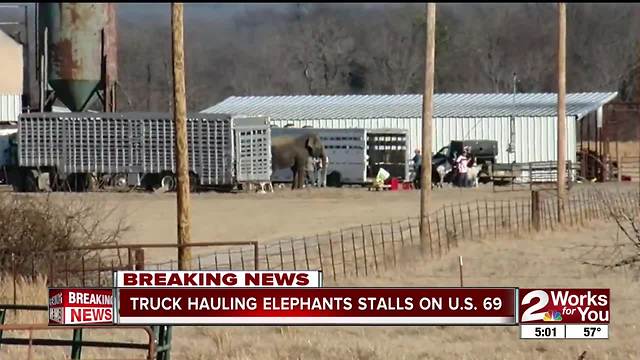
(388, 150)
(346, 151)
(252, 149)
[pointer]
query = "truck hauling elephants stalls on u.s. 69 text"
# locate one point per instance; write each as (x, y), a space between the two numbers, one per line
(81, 151)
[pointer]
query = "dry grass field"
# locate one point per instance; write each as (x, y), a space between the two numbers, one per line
(264, 217)
(543, 259)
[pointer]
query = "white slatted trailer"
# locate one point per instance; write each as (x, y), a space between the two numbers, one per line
(138, 148)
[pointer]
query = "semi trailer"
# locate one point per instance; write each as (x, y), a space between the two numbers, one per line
(85, 151)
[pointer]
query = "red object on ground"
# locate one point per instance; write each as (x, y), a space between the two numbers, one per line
(407, 185)
(395, 184)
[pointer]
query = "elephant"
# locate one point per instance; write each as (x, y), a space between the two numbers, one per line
(293, 152)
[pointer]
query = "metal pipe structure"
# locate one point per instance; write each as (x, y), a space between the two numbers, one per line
(427, 114)
(512, 123)
(562, 118)
(182, 150)
(110, 55)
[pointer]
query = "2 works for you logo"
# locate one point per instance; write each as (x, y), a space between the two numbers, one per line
(569, 306)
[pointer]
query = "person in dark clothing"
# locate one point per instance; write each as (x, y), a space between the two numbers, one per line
(417, 168)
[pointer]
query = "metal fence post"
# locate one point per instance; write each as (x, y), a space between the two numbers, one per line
(139, 258)
(76, 348)
(256, 256)
(163, 340)
(535, 209)
(333, 262)
(3, 314)
(14, 275)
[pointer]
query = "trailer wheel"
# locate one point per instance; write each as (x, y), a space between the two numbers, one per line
(150, 182)
(168, 182)
(484, 177)
(119, 181)
(82, 182)
(334, 179)
(194, 182)
(30, 181)
(90, 182)
(16, 179)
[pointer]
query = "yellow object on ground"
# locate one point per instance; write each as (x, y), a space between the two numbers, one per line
(378, 183)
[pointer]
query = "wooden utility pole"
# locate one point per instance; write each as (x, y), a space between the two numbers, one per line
(182, 151)
(427, 113)
(562, 118)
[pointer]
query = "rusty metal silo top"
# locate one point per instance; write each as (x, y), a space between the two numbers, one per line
(74, 35)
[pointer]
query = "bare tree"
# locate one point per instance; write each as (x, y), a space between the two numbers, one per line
(376, 48)
(625, 253)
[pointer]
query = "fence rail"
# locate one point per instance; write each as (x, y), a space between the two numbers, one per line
(535, 175)
(76, 343)
(158, 345)
(94, 265)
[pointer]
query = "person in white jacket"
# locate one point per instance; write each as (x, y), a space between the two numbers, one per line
(463, 166)
(323, 165)
(310, 172)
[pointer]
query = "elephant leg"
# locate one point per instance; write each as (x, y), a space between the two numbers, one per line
(294, 183)
(301, 177)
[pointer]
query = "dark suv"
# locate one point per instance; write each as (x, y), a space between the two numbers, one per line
(484, 151)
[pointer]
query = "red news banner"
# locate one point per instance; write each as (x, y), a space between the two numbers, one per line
(81, 306)
(321, 306)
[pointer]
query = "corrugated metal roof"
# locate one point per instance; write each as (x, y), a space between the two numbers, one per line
(409, 106)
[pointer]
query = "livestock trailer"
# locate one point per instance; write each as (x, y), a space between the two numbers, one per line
(355, 155)
(82, 150)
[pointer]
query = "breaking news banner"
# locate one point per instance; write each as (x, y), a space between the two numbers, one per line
(96, 306)
(298, 298)
(321, 306)
(564, 313)
(81, 306)
(215, 279)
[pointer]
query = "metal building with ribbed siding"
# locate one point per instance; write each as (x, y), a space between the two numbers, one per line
(527, 122)
(11, 72)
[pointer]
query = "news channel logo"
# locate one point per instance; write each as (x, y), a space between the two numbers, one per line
(565, 305)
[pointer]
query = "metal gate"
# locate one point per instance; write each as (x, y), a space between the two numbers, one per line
(252, 149)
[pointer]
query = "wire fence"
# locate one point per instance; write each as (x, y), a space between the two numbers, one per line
(367, 249)
(355, 251)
